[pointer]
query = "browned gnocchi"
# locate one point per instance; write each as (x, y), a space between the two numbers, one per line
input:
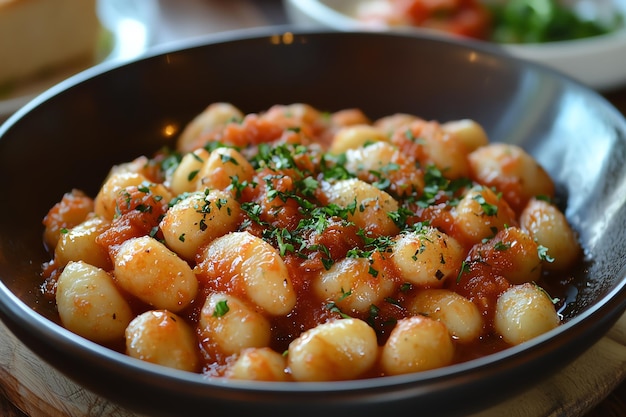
(297, 245)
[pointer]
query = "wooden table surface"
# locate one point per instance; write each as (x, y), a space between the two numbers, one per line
(612, 406)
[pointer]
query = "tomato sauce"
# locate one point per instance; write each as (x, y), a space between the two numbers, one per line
(285, 203)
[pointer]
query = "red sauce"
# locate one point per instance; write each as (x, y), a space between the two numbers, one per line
(285, 203)
(468, 18)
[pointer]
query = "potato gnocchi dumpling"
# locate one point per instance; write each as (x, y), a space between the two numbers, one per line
(197, 219)
(523, 312)
(163, 338)
(145, 268)
(426, 258)
(461, 317)
(371, 205)
(295, 245)
(90, 304)
(227, 326)
(417, 343)
(184, 177)
(258, 364)
(331, 351)
(366, 289)
(79, 244)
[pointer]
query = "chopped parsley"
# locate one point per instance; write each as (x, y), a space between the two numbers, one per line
(542, 251)
(221, 308)
(488, 209)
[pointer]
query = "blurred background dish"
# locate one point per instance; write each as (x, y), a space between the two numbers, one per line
(39, 36)
(129, 28)
(598, 59)
(57, 39)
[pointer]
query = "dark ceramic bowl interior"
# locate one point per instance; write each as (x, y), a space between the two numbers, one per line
(71, 135)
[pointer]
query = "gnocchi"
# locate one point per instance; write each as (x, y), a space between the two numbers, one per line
(163, 338)
(221, 167)
(213, 117)
(227, 326)
(382, 163)
(355, 137)
(184, 178)
(90, 304)
(106, 200)
(79, 244)
(368, 205)
(461, 317)
(523, 312)
(354, 284)
(417, 343)
(296, 245)
(336, 350)
(512, 171)
(258, 364)
(147, 269)
(549, 228)
(254, 269)
(480, 214)
(197, 219)
(426, 258)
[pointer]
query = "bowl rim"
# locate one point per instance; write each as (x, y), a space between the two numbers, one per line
(604, 312)
(15, 312)
(276, 34)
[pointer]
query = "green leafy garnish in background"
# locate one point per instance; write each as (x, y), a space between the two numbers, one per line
(538, 21)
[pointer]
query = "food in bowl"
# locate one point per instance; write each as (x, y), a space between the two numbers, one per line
(298, 245)
(468, 18)
(515, 21)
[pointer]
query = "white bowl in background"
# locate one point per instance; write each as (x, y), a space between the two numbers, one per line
(599, 61)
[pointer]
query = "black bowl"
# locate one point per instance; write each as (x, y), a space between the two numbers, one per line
(71, 135)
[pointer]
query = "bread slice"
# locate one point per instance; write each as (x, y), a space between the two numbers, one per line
(40, 36)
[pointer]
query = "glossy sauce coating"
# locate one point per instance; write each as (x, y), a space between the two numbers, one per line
(299, 245)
